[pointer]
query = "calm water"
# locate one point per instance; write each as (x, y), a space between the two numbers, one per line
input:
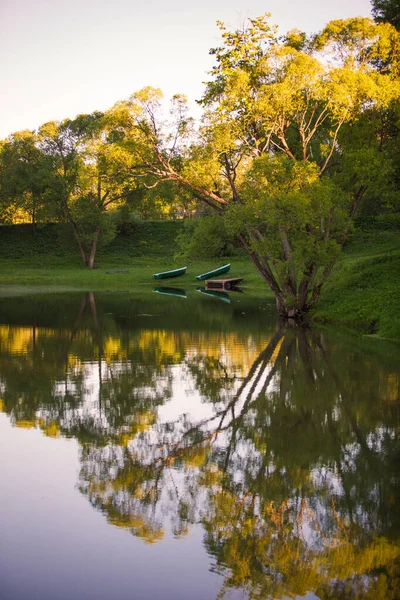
(187, 447)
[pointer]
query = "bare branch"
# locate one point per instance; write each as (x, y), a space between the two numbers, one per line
(332, 146)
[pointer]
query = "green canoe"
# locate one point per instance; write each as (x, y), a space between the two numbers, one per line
(220, 295)
(214, 273)
(170, 291)
(169, 274)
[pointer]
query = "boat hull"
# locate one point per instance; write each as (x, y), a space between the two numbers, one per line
(169, 291)
(170, 274)
(214, 273)
(220, 295)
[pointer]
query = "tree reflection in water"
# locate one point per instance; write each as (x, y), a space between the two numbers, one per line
(293, 476)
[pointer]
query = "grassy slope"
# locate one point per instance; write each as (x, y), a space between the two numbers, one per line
(364, 289)
(363, 292)
(41, 261)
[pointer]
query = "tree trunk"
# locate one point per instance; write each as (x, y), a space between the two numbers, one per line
(290, 305)
(93, 248)
(297, 313)
(67, 213)
(33, 220)
(80, 245)
(291, 283)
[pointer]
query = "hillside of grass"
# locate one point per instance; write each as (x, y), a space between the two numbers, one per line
(363, 292)
(364, 289)
(144, 238)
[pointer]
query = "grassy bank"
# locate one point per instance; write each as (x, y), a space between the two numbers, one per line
(126, 274)
(363, 292)
(48, 260)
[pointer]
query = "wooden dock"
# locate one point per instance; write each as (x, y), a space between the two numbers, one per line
(223, 284)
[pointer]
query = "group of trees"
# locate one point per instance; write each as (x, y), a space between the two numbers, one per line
(76, 172)
(296, 132)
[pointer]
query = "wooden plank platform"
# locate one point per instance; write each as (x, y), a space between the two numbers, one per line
(223, 284)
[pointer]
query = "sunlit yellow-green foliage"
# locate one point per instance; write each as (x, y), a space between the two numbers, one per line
(163, 346)
(358, 41)
(137, 525)
(50, 428)
(299, 101)
(23, 180)
(293, 478)
(323, 103)
(267, 552)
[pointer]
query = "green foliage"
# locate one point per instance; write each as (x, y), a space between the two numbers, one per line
(90, 175)
(24, 179)
(297, 131)
(86, 225)
(163, 200)
(134, 239)
(205, 237)
(386, 11)
(145, 239)
(293, 138)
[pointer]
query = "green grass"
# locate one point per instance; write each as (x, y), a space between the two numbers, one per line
(112, 273)
(363, 292)
(43, 261)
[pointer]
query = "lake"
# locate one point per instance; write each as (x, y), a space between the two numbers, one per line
(178, 445)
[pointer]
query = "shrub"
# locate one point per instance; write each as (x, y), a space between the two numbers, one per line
(206, 237)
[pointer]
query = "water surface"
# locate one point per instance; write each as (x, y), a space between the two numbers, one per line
(188, 446)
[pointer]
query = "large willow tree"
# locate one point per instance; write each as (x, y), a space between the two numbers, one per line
(291, 141)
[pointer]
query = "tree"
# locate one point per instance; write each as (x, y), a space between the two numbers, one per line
(90, 175)
(270, 152)
(386, 11)
(164, 200)
(59, 141)
(24, 177)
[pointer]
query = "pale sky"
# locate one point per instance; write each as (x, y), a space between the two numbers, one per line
(59, 58)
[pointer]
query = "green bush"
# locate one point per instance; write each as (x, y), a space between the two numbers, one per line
(206, 237)
(144, 238)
